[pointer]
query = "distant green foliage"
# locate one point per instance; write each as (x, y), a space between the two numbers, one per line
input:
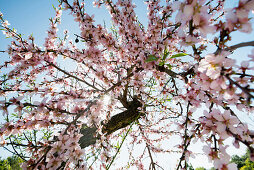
(243, 162)
(239, 161)
(249, 165)
(200, 168)
(190, 167)
(11, 163)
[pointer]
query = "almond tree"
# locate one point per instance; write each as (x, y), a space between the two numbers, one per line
(143, 83)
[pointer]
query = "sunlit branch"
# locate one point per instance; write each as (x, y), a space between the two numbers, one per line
(24, 145)
(42, 157)
(245, 90)
(118, 150)
(15, 151)
(65, 72)
(148, 148)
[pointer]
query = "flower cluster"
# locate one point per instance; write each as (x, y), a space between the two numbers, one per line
(212, 65)
(238, 17)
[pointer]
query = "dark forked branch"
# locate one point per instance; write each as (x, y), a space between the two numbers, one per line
(116, 122)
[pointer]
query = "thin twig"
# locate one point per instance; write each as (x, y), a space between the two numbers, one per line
(65, 72)
(119, 147)
(245, 90)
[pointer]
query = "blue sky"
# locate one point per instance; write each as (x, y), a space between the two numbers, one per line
(32, 16)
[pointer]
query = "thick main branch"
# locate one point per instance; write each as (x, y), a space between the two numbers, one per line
(116, 122)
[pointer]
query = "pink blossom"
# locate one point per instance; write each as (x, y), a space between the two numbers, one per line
(211, 65)
(5, 23)
(188, 10)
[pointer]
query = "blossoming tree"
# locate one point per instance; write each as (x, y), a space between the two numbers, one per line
(143, 83)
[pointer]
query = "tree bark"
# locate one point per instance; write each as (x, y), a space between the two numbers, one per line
(116, 122)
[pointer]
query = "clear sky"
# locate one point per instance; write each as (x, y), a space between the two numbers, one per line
(32, 16)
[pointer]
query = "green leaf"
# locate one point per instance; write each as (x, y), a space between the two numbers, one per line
(165, 55)
(168, 100)
(161, 63)
(169, 66)
(178, 55)
(151, 58)
(54, 7)
(117, 145)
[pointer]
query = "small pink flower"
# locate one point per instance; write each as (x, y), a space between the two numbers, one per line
(5, 23)
(211, 65)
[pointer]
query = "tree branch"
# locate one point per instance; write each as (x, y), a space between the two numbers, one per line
(65, 72)
(244, 44)
(116, 122)
(245, 90)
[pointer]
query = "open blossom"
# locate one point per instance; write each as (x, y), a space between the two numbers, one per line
(221, 160)
(5, 23)
(212, 64)
(239, 17)
(220, 122)
(212, 154)
(220, 164)
(226, 120)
